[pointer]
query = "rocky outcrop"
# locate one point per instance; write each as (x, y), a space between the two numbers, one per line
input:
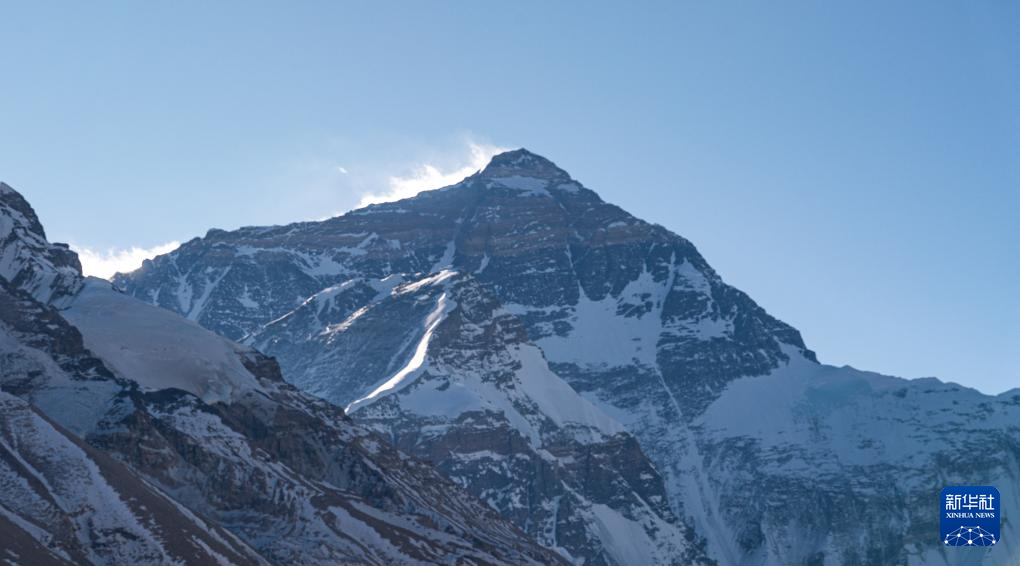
(28, 261)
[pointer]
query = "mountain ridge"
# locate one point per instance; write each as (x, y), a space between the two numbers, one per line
(204, 424)
(757, 445)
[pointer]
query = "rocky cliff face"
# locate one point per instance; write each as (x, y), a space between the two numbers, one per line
(435, 317)
(475, 397)
(28, 260)
(132, 435)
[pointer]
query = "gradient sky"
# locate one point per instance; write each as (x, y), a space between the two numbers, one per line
(855, 168)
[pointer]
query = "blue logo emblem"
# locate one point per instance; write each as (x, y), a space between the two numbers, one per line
(970, 515)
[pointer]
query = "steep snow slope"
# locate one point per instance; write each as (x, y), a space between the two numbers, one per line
(156, 348)
(635, 321)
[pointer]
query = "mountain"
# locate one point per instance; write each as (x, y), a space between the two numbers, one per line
(476, 398)
(28, 260)
(131, 435)
(510, 430)
(521, 334)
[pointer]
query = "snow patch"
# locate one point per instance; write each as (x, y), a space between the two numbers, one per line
(446, 261)
(601, 337)
(624, 539)
(529, 186)
(415, 363)
(434, 279)
(156, 347)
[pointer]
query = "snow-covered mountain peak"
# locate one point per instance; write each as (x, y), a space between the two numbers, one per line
(526, 171)
(16, 212)
(520, 160)
(48, 271)
(505, 328)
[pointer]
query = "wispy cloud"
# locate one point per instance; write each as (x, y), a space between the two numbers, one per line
(105, 264)
(427, 176)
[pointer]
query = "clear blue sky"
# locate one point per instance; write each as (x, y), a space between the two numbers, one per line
(855, 168)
